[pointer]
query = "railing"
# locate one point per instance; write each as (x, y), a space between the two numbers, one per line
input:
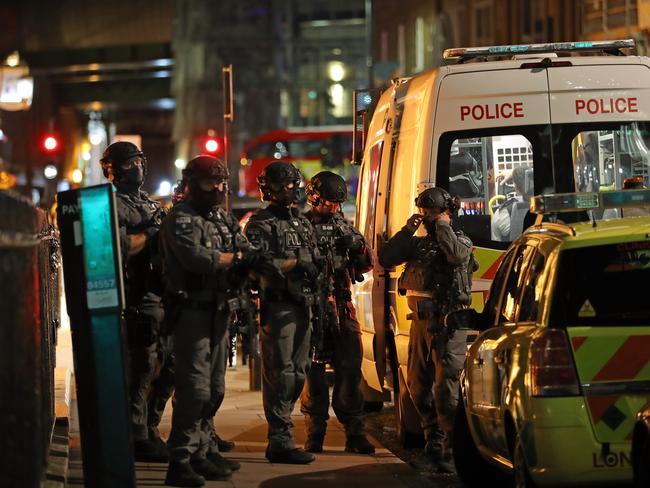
(29, 317)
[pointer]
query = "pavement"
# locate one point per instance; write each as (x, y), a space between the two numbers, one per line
(241, 419)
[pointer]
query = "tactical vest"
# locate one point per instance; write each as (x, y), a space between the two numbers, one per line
(136, 213)
(418, 273)
(291, 236)
(224, 240)
(326, 235)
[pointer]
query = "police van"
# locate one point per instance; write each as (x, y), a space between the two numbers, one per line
(500, 124)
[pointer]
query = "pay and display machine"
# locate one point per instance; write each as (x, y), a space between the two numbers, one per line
(95, 299)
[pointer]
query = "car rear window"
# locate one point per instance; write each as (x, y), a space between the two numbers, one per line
(603, 285)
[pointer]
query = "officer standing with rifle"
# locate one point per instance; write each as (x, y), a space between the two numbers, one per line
(347, 258)
(436, 281)
(198, 251)
(139, 219)
(286, 297)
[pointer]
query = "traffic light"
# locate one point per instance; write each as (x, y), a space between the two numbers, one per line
(211, 143)
(50, 144)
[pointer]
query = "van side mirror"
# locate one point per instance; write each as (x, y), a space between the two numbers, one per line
(364, 102)
(465, 319)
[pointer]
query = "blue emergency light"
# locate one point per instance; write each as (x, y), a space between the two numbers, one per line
(574, 202)
(463, 53)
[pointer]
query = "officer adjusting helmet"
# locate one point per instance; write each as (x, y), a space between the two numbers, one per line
(280, 182)
(115, 164)
(326, 186)
(438, 199)
(206, 180)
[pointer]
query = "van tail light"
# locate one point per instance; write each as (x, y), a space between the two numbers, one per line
(552, 371)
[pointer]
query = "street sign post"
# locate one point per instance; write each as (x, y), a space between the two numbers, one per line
(95, 300)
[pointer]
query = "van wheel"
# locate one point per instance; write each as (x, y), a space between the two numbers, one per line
(409, 431)
(520, 469)
(473, 470)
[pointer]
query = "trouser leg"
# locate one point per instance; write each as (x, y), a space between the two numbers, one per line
(285, 336)
(315, 400)
(142, 331)
(220, 349)
(449, 357)
(421, 372)
(347, 399)
(162, 387)
(192, 352)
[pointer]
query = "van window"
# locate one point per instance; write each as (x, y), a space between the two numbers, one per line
(493, 176)
(612, 158)
(367, 200)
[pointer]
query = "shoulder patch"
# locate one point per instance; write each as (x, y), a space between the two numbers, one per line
(183, 225)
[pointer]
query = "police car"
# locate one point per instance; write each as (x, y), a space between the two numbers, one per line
(553, 383)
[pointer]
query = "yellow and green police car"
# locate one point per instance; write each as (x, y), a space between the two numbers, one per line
(553, 383)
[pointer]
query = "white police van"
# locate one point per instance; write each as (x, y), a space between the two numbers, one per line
(499, 125)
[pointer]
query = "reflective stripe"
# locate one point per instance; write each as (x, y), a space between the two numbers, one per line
(617, 388)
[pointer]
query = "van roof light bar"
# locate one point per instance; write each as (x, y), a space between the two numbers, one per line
(610, 47)
(573, 202)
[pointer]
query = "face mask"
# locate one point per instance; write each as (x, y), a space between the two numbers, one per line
(430, 225)
(130, 179)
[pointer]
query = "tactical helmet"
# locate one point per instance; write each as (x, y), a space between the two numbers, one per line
(119, 152)
(205, 166)
(437, 199)
(326, 186)
(275, 178)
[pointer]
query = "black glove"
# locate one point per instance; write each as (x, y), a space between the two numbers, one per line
(151, 231)
(414, 222)
(351, 242)
(308, 267)
(253, 260)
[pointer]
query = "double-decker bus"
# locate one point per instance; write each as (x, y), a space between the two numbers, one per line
(310, 149)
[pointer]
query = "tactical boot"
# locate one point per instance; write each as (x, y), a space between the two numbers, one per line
(218, 460)
(224, 445)
(182, 474)
(290, 456)
(359, 444)
(314, 443)
(154, 436)
(149, 452)
(446, 463)
(211, 471)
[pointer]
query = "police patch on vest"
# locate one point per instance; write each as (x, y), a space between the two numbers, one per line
(292, 239)
(183, 225)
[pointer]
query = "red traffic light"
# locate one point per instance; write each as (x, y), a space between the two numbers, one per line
(50, 143)
(211, 145)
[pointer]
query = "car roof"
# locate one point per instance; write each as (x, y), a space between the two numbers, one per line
(586, 234)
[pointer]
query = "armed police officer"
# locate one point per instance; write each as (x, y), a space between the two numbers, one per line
(198, 250)
(139, 219)
(436, 280)
(347, 258)
(286, 297)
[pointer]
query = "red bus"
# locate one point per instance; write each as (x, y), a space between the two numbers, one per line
(310, 149)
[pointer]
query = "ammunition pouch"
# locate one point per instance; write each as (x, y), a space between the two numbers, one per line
(413, 278)
(300, 291)
(425, 310)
